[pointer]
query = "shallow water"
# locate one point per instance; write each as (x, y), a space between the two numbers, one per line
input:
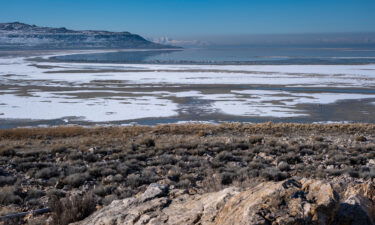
(236, 55)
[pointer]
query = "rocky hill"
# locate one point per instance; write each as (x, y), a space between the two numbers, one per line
(24, 36)
(306, 201)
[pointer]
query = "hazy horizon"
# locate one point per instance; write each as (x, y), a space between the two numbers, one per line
(347, 38)
(192, 19)
(314, 38)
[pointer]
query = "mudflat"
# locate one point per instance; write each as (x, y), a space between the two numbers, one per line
(62, 93)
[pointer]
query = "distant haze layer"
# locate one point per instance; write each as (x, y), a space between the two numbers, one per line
(323, 39)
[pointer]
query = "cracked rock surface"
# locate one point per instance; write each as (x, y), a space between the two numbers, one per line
(304, 201)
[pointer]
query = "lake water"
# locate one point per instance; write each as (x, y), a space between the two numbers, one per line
(235, 55)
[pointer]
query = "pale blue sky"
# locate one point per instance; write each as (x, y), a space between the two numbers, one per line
(183, 18)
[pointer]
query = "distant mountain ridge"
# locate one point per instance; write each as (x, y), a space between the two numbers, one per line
(18, 35)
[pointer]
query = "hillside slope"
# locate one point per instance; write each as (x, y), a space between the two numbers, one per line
(24, 36)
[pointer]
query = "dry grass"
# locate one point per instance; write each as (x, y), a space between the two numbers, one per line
(42, 133)
(183, 129)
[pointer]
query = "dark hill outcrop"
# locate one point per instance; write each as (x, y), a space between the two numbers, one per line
(24, 36)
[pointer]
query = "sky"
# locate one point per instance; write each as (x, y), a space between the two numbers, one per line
(196, 18)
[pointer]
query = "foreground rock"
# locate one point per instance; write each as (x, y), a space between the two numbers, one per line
(288, 202)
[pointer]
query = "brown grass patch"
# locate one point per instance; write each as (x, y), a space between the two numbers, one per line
(183, 129)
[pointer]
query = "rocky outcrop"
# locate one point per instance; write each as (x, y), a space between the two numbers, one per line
(304, 201)
(24, 36)
(358, 205)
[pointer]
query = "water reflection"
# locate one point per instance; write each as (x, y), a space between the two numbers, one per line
(245, 55)
(115, 57)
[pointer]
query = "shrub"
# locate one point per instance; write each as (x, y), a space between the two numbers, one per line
(291, 158)
(255, 140)
(369, 174)
(75, 155)
(242, 146)
(306, 151)
(71, 209)
(167, 159)
(59, 149)
(227, 178)
(34, 194)
(24, 166)
(135, 180)
(76, 180)
(212, 182)
(283, 166)
(339, 158)
(55, 192)
(360, 138)
(256, 165)
(69, 169)
(148, 142)
(6, 180)
(8, 196)
(133, 165)
(353, 173)
(174, 174)
(358, 160)
(225, 157)
(103, 190)
(274, 174)
(47, 173)
(149, 175)
(125, 192)
(109, 199)
(95, 172)
(318, 138)
(107, 172)
(90, 157)
(118, 178)
(7, 152)
(123, 169)
(335, 172)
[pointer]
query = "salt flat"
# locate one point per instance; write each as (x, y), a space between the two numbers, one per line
(98, 92)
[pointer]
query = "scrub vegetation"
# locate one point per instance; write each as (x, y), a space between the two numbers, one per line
(55, 167)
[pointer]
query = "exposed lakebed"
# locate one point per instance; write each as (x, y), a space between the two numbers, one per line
(37, 91)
